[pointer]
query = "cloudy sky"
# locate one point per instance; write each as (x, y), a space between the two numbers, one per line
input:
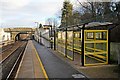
(25, 12)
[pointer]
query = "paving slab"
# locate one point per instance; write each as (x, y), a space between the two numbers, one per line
(30, 66)
(54, 66)
(98, 71)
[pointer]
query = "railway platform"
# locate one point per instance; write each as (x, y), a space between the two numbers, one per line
(39, 61)
(31, 65)
(56, 64)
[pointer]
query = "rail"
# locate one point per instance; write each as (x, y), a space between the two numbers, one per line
(11, 62)
(16, 65)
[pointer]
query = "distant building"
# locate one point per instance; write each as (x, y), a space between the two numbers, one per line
(3, 35)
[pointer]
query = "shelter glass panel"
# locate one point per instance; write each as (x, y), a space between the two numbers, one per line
(77, 42)
(95, 47)
(61, 42)
(70, 53)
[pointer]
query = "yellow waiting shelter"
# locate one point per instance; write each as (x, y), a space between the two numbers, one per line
(89, 41)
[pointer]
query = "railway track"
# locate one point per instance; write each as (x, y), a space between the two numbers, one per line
(9, 50)
(10, 62)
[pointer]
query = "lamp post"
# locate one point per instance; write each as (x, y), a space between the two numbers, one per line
(37, 29)
(37, 24)
(50, 35)
(10, 33)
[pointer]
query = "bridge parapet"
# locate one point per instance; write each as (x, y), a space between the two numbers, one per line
(19, 29)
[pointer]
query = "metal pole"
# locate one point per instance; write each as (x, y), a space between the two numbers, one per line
(51, 37)
(66, 25)
(37, 32)
(10, 33)
(40, 38)
(51, 31)
(73, 43)
(82, 41)
(109, 46)
(66, 42)
(54, 40)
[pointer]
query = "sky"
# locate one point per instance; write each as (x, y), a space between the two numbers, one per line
(24, 13)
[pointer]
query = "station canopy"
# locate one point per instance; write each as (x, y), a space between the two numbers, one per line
(91, 25)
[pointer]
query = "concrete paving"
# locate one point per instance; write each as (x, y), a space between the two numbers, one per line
(30, 66)
(99, 71)
(54, 66)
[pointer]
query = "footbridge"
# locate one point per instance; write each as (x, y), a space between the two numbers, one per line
(20, 33)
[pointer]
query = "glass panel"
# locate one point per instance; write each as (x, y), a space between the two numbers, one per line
(61, 42)
(70, 45)
(89, 36)
(77, 42)
(95, 50)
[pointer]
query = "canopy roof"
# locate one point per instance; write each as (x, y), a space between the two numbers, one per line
(91, 26)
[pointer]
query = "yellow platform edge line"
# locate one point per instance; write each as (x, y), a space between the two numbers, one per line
(43, 69)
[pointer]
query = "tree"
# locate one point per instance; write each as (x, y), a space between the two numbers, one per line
(118, 10)
(66, 18)
(49, 21)
(76, 17)
(96, 11)
(89, 12)
(106, 6)
(52, 21)
(55, 22)
(89, 7)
